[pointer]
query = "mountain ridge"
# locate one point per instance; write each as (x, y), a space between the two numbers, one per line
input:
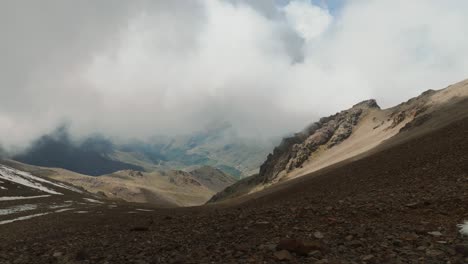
(347, 134)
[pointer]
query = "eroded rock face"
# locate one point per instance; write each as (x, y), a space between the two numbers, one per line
(326, 133)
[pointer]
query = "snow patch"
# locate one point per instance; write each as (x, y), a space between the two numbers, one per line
(25, 179)
(64, 210)
(3, 188)
(464, 228)
(17, 209)
(12, 198)
(22, 218)
(29, 180)
(57, 206)
(92, 200)
(81, 212)
(144, 210)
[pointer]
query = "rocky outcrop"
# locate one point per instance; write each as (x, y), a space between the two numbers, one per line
(328, 132)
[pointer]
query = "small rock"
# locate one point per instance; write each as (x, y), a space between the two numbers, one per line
(322, 261)
(462, 249)
(435, 233)
(367, 257)
(421, 248)
(315, 254)
(283, 255)
(434, 253)
(318, 235)
(397, 243)
(57, 254)
(299, 247)
(261, 225)
(269, 247)
(82, 255)
(355, 244)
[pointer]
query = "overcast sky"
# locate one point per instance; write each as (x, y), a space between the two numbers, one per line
(133, 69)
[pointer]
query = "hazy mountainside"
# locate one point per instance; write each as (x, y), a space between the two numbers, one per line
(218, 146)
(213, 178)
(90, 157)
(160, 188)
(353, 132)
(166, 172)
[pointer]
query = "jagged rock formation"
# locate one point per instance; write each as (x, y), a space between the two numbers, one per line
(326, 133)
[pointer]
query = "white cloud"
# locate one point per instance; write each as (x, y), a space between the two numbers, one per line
(309, 20)
(138, 68)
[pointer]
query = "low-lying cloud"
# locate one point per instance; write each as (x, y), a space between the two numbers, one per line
(134, 69)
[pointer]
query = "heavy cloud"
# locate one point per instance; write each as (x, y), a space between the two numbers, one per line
(134, 69)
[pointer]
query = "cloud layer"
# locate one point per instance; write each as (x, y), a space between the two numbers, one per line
(134, 69)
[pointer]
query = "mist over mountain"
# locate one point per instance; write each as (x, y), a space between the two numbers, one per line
(59, 151)
(217, 146)
(135, 69)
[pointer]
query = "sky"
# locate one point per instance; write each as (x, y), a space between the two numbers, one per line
(135, 69)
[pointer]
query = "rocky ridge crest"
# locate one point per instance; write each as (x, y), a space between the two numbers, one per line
(328, 132)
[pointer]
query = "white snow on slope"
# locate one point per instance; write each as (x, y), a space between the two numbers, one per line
(464, 228)
(17, 209)
(22, 218)
(12, 198)
(92, 200)
(64, 210)
(25, 179)
(3, 188)
(29, 180)
(58, 206)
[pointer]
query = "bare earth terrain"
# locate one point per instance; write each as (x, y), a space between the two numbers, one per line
(401, 204)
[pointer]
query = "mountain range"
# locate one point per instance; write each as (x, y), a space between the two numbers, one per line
(218, 146)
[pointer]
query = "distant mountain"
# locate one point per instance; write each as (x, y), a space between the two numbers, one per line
(213, 178)
(217, 146)
(351, 133)
(170, 188)
(89, 157)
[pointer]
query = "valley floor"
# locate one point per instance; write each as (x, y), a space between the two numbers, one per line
(401, 205)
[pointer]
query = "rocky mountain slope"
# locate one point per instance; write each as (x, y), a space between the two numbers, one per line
(348, 134)
(401, 202)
